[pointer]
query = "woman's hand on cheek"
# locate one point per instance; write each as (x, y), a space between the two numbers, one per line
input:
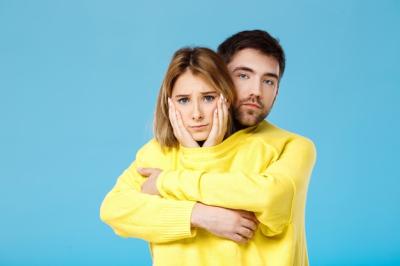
(220, 124)
(180, 132)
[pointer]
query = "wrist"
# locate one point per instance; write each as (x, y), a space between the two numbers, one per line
(196, 217)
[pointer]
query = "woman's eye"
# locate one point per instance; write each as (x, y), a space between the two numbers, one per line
(243, 76)
(183, 100)
(209, 98)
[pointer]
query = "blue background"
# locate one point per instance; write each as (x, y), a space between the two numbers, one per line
(78, 84)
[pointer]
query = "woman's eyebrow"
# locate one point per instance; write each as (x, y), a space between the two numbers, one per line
(209, 92)
(182, 95)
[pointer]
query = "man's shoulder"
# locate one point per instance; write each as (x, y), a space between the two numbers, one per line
(280, 138)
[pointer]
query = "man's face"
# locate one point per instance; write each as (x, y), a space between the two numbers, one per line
(256, 78)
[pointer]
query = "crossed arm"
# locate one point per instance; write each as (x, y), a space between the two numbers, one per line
(271, 195)
(131, 213)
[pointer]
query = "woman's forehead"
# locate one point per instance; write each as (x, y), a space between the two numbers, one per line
(187, 83)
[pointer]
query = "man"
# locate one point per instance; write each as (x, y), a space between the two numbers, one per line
(256, 63)
(259, 202)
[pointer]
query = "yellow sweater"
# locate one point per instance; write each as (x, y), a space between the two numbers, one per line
(262, 169)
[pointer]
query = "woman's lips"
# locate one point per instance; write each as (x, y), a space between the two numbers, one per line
(199, 127)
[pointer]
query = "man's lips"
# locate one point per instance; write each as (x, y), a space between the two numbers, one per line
(252, 105)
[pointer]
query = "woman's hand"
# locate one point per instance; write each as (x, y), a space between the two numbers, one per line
(180, 132)
(220, 124)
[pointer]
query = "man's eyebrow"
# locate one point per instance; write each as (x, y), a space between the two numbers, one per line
(243, 68)
(273, 75)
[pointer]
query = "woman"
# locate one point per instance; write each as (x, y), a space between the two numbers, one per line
(190, 99)
(191, 121)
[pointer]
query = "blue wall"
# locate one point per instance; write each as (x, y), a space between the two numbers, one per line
(78, 83)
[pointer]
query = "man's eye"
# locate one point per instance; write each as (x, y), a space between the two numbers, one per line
(243, 76)
(209, 98)
(184, 100)
(269, 82)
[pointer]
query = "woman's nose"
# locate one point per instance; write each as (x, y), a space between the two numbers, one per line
(197, 114)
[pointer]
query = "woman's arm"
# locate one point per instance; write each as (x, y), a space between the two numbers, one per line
(131, 213)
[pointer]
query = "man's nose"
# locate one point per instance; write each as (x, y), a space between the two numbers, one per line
(255, 88)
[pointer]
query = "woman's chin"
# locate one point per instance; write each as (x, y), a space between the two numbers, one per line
(200, 136)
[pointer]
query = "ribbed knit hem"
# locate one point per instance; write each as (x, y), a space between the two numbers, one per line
(178, 221)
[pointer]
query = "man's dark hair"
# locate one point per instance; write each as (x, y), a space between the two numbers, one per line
(259, 40)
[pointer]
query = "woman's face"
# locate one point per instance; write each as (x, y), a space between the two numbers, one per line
(196, 101)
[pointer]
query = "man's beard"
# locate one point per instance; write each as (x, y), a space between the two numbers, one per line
(250, 117)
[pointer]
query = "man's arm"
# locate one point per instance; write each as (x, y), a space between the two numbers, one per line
(270, 194)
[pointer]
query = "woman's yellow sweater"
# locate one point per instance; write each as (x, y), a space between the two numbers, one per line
(262, 169)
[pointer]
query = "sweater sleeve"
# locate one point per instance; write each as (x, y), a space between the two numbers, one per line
(131, 213)
(270, 194)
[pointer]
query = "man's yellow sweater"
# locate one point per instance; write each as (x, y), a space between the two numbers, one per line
(262, 169)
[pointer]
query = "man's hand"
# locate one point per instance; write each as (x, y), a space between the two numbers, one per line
(149, 186)
(220, 124)
(180, 132)
(236, 225)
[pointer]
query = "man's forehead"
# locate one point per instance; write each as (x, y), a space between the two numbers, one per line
(253, 61)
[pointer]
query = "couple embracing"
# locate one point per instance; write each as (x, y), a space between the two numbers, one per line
(218, 184)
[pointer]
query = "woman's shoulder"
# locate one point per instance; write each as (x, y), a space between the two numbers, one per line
(153, 151)
(152, 147)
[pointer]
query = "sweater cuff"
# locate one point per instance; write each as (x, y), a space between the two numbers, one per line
(179, 220)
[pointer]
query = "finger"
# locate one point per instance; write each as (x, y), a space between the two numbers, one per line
(254, 217)
(181, 127)
(211, 139)
(250, 224)
(220, 115)
(239, 238)
(245, 232)
(226, 113)
(215, 125)
(144, 171)
(249, 215)
(170, 114)
(173, 119)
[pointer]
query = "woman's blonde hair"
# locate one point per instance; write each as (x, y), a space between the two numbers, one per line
(204, 63)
